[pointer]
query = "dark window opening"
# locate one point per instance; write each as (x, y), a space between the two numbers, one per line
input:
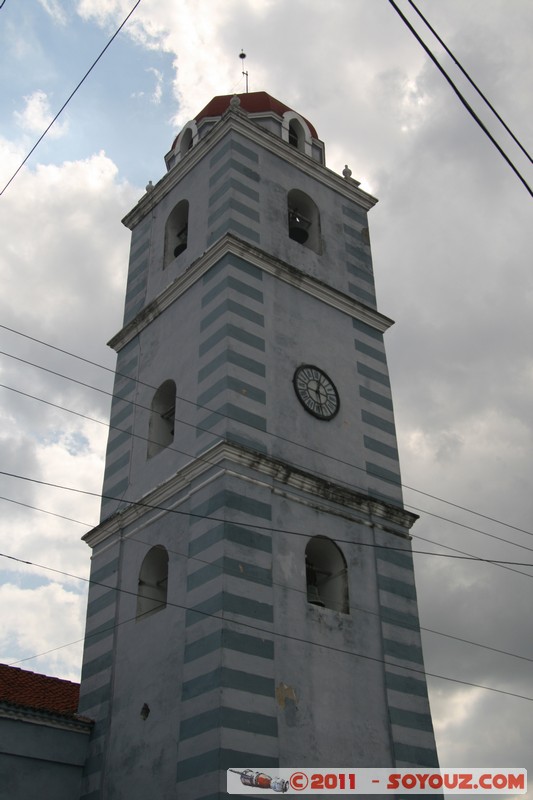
(293, 136)
(303, 220)
(326, 575)
(298, 226)
(176, 232)
(186, 141)
(153, 582)
(296, 135)
(181, 237)
(162, 418)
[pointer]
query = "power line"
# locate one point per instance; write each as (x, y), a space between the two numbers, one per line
(222, 415)
(44, 511)
(269, 528)
(469, 79)
(238, 574)
(69, 98)
(464, 556)
(265, 630)
(206, 460)
(465, 103)
(463, 553)
(501, 564)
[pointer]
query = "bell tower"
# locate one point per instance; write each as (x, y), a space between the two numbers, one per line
(252, 600)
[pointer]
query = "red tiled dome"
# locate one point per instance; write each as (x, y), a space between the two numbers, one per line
(252, 102)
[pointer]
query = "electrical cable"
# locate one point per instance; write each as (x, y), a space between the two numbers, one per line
(44, 511)
(256, 526)
(465, 103)
(221, 414)
(464, 556)
(500, 564)
(69, 98)
(266, 630)
(469, 79)
(363, 610)
(206, 460)
(237, 573)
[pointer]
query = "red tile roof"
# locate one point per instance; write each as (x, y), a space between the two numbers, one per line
(252, 102)
(38, 692)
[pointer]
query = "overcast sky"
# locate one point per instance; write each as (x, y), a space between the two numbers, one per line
(453, 256)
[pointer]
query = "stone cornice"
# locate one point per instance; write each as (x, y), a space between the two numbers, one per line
(230, 244)
(50, 720)
(279, 476)
(237, 120)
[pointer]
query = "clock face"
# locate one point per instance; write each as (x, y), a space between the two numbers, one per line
(316, 392)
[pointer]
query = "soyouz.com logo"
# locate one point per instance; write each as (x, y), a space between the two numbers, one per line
(493, 781)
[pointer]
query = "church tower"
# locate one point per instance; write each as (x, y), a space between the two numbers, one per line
(252, 601)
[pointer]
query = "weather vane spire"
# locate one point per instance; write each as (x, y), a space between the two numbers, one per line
(242, 56)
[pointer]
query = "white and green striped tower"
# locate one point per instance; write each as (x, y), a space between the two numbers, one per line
(253, 600)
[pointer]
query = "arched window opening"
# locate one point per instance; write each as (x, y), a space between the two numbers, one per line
(163, 412)
(296, 135)
(181, 145)
(153, 582)
(303, 220)
(296, 132)
(176, 232)
(186, 141)
(326, 575)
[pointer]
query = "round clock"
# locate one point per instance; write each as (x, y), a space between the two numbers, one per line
(316, 391)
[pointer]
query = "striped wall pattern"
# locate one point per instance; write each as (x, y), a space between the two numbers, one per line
(119, 445)
(358, 258)
(97, 675)
(405, 683)
(379, 432)
(232, 372)
(228, 711)
(138, 269)
(234, 192)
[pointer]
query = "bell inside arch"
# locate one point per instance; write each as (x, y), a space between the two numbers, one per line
(298, 227)
(182, 242)
(313, 596)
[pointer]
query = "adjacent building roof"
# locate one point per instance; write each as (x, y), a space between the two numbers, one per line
(253, 102)
(30, 690)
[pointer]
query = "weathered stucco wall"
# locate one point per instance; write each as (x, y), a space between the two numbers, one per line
(40, 760)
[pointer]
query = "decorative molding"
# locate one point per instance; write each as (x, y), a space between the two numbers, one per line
(48, 719)
(237, 121)
(230, 244)
(277, 476)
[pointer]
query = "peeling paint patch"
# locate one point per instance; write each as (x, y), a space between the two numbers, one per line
(285, 694)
